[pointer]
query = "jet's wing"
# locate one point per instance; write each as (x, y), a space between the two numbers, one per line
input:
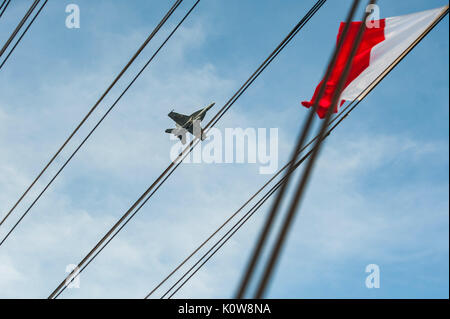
(196, 113)
(190, 129)
(200, 114)
(180, 119)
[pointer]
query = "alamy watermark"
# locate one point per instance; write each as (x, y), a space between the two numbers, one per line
(73, 19)
(373, 19)
(373, 279)
(234, 145)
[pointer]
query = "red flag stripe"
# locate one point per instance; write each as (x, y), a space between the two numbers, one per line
(361, 61)
(380, 46)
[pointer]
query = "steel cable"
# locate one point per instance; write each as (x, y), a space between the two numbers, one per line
(157, 28)
(174, 165)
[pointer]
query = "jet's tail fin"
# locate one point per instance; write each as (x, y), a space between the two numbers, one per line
(199, 133)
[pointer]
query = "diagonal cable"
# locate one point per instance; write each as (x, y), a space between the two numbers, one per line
(18, 27)
(151, 190)
(165, 18)
(3, 3)
(6, 6)
(339, 118)
(148, 62)
(302, 137)
(116, 79)
(274, 256)
(23, 34)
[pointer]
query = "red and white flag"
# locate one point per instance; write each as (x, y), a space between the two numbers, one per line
(380, 46)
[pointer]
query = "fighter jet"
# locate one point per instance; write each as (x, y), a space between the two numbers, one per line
(188, 123)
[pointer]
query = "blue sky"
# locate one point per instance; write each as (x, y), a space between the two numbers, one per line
(379, 193)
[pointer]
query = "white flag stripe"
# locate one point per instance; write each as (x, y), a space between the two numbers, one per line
(400, 32)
